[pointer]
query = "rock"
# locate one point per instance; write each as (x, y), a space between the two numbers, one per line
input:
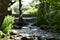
(2, 35)
(18, 38)
(24, 38)
(11, 37)
(45, 27)
(58, 31)
(13, 32)
(16, 27)
(51, 39)
(39, 38)
(50, 30)
(27, 38)
(30, 38)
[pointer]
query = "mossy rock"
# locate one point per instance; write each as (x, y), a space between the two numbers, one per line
(1, 33)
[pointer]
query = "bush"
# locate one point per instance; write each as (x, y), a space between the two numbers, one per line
(7, 24)
(31, 11)
(54, 22)
(49, 14)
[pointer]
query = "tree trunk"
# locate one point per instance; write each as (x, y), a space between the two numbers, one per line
(20, 5)
(3, 10)
(21, 21)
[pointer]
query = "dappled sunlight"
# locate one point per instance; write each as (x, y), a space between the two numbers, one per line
(26, 2)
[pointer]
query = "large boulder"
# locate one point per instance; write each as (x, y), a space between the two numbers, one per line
(13, 32)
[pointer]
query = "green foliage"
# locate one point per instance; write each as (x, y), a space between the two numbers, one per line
(31, 11)
(48, 14)
(31, 8)
(55, 28)
(7, 24)
(54, 22)
(42, 14)
(16, 0)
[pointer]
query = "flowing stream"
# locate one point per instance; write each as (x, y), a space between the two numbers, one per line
(34, 30)
(29, 30)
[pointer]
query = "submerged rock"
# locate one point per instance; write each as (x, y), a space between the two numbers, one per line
(45, 27)
(27, 38)
(52, 39)
(39, 38)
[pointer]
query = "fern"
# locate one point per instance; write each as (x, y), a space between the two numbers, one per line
(7, 24)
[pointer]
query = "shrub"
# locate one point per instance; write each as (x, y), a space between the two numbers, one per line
(54, 22)
(7, 24)
(31, 11)
(49, 14)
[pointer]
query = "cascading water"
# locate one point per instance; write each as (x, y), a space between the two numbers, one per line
(29, 30)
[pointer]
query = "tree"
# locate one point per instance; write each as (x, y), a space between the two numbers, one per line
(21, 21)
(3, 10)
(42, 13)
(49, 14)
